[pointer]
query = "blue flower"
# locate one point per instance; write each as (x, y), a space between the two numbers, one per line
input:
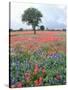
(55, 56)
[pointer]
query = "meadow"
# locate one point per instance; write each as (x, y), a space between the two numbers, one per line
(37, 60)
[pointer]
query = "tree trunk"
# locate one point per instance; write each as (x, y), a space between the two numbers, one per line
(34, 30)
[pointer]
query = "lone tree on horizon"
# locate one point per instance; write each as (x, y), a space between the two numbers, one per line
(32, 17)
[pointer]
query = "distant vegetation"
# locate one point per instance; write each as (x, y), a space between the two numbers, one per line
(42, 27)
(21, 29)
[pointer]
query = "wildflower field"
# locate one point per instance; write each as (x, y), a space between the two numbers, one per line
(37, 60)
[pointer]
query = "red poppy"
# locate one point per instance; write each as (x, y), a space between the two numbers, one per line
(27, 76)
(43, 71)
(36, 82)
(36, 69)
(36, 66)
(40, 80)
(19, 85)
(58, 77)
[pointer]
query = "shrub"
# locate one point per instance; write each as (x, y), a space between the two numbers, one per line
(42, 27)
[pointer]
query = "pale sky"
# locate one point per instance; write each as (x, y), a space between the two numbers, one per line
(54, 16)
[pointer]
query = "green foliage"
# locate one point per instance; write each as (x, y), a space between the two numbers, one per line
(25, 63)
(42, 27)
(32, 17)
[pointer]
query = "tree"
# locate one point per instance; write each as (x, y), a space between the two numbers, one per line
(32, 17)
(42, 27)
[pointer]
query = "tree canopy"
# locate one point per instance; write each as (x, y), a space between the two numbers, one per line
(32, 17)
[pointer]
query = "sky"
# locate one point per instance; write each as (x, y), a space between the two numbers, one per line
(54, 16)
